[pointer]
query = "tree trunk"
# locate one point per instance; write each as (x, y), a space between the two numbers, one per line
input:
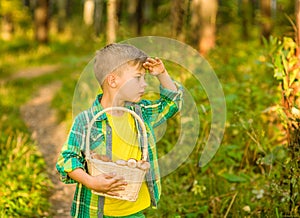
(41, 20)
(7, 26)
(139, 16)
(99, 6)
(246, 15)
(266, 22)
(62, 15)
(178, 13)
(131, 10)
(204, 14)
(111, 28)
(88, 12)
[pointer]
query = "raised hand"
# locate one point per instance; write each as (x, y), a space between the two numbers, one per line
(155, 66)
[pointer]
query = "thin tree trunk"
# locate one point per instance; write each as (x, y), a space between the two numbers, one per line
(7, 25)
(88, 12)
(99, 6)
(111, 28)
(131, 10)
(204, 14)
(140, 16)
(41, 19)
(62, 15)
(266, 18)
(178, 13)
(246, 15)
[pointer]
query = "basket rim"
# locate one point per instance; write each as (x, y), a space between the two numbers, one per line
(135, 115)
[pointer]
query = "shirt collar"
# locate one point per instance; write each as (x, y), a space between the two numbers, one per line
(97, 107)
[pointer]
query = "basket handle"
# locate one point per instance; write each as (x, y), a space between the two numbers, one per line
(144, 133)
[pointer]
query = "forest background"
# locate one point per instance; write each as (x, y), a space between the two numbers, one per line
(253, 47)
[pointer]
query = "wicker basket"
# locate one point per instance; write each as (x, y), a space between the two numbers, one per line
(133, 176)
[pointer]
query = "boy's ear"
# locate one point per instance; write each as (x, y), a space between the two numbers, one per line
(112, 80)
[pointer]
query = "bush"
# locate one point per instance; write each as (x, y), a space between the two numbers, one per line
(23, 183)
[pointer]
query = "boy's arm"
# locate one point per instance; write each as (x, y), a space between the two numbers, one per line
(71, 163)
(171, 94)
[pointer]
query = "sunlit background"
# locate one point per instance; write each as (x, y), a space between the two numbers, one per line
(253, 47)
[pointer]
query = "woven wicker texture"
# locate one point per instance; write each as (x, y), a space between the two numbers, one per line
(133, 176)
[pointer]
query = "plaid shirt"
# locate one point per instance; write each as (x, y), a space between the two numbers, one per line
(72, 156)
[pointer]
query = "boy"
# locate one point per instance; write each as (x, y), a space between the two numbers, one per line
(120, 70)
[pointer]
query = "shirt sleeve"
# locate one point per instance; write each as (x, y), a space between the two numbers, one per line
(71, 156)
(169, 103)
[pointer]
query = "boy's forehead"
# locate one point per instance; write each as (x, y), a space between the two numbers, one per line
(137, 69)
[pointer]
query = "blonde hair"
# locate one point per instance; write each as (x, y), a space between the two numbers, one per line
(113, 56)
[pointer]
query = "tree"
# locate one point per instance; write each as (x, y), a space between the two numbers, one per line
(88, 12)
(266, 22)
(139, 16)
(246, 9)
(112, 21)
(136, 14)
(41, 20)
(177, 14)
(203, 21)
(7, 26)
(99, 8)
(13, 16)
(62, 14)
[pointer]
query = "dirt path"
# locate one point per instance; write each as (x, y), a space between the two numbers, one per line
(49, 135)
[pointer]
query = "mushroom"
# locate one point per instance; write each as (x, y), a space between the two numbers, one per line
(104, 158)
(131, 163)
(143, 165)
(121, 162)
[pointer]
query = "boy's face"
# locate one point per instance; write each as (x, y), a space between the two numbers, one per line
(132, 84)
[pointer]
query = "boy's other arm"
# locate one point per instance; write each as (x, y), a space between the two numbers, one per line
(105, 183)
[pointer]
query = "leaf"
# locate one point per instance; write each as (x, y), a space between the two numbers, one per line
(268, 64)
(293, 75)
(234, 178)
(278, 74)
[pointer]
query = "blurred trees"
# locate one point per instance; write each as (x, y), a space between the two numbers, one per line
(204, 15)
(194, 21)
(88, 12)
(178, 14)
(12, 13)
(266, 18)
(41, 20)
(112, 22)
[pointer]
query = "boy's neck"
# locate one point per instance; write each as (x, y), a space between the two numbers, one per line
(111, 101)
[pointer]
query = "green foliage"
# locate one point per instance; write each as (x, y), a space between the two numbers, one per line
(23, 183)
(285, 63)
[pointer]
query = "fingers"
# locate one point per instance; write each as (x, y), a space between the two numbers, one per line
(151, 62)
(154, 65)
(115, 181)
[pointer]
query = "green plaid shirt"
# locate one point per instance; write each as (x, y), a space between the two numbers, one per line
(72, 156)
